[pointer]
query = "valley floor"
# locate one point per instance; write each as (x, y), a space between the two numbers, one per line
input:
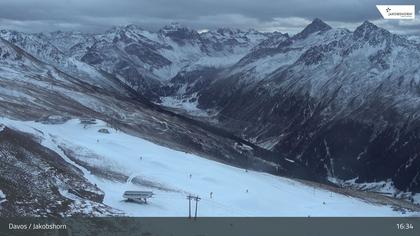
(117, 162)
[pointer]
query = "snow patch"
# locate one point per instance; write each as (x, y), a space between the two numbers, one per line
(2, 197)
(289, 160)
(384, 187)
(190, 105)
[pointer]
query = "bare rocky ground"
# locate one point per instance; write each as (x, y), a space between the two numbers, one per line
(38, 182)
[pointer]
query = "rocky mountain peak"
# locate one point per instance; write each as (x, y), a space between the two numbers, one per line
(228, 31)
(366, 28)
(133, 27)
(172, 27)
(372, 33)
(179, 33)
(316, 25)
(124, 28)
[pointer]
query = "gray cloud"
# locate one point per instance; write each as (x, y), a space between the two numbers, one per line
(98, 15)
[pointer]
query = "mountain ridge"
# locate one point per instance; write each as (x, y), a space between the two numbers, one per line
(291, 94)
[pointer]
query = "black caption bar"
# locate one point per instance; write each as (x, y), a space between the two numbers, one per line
(217, 226)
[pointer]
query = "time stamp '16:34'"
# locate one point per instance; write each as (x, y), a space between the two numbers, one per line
(405, 226)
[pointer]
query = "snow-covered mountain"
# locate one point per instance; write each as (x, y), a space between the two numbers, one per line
(236, 41)
(72, 43)
(35, 45)
(329, 98)
(32, 90)
(142, 59)
(41, 47)
(318, 105)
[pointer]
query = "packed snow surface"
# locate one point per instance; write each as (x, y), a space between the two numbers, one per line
(172, 175)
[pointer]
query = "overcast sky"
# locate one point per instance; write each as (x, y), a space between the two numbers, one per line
(264, 15)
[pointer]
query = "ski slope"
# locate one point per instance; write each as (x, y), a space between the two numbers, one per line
(167, 172)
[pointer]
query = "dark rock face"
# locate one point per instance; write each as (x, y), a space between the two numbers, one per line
(371, 33)
(147, 55)
(180, 35)
(312, 56)
(191, 81)
(92, 58)
(345, 107)
(34, 179)
(344, 146)
(316, 25)
(126, 65)
(348, 151)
